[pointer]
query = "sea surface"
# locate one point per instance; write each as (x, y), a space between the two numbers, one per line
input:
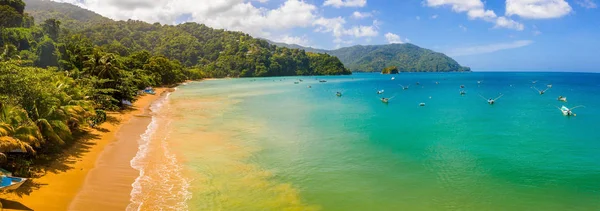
(270, 144)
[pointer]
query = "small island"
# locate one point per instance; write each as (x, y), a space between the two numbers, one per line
(390, 70)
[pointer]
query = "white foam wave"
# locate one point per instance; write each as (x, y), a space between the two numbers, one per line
(174, 191)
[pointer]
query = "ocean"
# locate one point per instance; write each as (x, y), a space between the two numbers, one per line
(271, 144)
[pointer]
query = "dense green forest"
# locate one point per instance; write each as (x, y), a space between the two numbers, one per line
(407, 57)
(58, 77)
(218, 53)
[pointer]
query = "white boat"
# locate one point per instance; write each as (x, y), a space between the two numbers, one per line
(566, 111)
(569, 111)
(11, 183)
(563, 99)
(541, 91)
(385, 100)
(393, 78)
(380, 91)
(462, 92)
(404, 87)
(490, 100)
(421, 104)
(339, 94)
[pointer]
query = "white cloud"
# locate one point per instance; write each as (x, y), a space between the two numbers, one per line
(361, 15)
(335, 26)
(503, 22)
(362, 31)
(393, 38)
(475, 9)
(589, 4)
(538, 9)
(303, 41)
(345, 3)
(434, 16)
(464, 28)
(490, 48)
(418, 18)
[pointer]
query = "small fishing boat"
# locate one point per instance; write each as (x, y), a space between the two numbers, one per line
(421, 104)
(490, 100)
(569, 111)
(339, 94)
(462, 86)
(541, 91)
(404, 87)
(534, 82)
(296, 82)
(8, 182)
(549, 85)
(322, 81)
(393, 78)
(385, 100)
(309, 87)
(478, 82)
(563, 99)
(300, 80)
(437, 82)
(380, 91)
(462, 92)
(418, 83)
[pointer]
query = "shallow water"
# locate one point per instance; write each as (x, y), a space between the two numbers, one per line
(268, 144)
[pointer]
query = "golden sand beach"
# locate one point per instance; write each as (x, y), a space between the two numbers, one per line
(94, 174)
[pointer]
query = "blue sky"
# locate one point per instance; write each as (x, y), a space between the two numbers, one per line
(544, 35)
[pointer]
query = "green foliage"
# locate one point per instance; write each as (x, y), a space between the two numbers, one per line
(217, 53)
(55, 81)
(17, 5)
(51, 28)
(70, 15)
(47, 54)
(10, 17)
(406, 57)
(390, 70)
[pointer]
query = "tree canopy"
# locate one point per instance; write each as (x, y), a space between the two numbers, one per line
(390, 70)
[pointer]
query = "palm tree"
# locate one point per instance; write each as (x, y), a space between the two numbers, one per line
(17, 131)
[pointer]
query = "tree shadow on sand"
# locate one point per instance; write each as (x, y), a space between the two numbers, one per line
(13, 205)
(62, 162)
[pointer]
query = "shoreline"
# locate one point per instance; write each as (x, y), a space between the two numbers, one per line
(69, 176)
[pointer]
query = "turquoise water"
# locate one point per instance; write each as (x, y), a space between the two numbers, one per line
(270, 144)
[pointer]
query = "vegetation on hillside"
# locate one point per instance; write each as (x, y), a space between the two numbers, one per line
(56, 81)
(390, 70)
(407, 57)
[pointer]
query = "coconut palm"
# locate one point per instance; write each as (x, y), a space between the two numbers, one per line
(17, 131)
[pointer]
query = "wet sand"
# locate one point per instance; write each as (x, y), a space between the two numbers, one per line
(94, 174)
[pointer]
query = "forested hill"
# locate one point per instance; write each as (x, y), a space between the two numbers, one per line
(373, 58)
(217, 53)
(69, 15)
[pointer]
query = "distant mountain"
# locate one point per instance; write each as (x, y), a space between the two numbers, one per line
(69, 15)
(373, 58)
(294, 46)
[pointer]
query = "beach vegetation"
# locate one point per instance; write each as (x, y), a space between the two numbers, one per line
(60, 75)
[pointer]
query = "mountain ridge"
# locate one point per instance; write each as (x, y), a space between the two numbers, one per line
(373, 58)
